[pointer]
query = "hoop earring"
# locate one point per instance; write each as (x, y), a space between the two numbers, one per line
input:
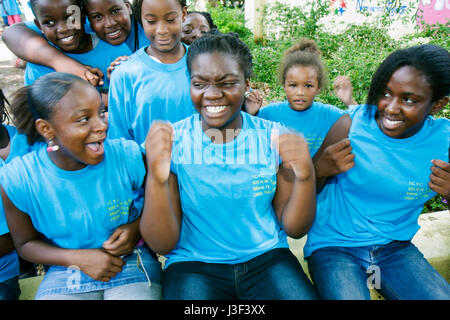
(52, 146)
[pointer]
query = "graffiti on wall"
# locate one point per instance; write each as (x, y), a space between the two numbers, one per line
(434, 11)
(430, 11)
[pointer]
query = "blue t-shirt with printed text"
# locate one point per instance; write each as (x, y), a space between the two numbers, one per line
(226, 192)
(313, 123)
(380, 199)
(77, 209)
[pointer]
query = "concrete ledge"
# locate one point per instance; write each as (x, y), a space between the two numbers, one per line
(432, 239)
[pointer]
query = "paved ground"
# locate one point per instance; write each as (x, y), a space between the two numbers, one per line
(11, 78)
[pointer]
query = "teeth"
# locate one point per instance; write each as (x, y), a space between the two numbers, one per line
(215, 109)
(391, 123)
(67, 39)
(112, 34)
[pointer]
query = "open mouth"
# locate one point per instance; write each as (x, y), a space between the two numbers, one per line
(96, 147)
(114, 34)
(391, 124)
(215, 109)
(66, 40)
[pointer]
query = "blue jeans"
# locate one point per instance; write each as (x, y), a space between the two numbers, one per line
(398, 270)
(141, 266)
(274, 275)
(9, 289)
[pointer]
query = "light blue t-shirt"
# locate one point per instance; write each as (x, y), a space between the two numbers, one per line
(380, 199)
(99, 57)
(313, 123)
(77, 209)
(226, 193)
(143, 90)
(9, 263)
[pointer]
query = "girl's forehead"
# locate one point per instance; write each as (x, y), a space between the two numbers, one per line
(196, 17)
(54, 5)
(161, 5)
(216, 63)
(105, 3)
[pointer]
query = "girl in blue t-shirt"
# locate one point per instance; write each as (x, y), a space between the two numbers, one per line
(111, 20)
(69, 202)
(303, 75)
(367, 215)
(54, 19)
(153, 84)
(220, 206)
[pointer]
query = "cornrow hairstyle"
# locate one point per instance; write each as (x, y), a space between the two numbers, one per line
(303, 53)
(431, 60)
(229, 43)
(3, 112)
(38, 101)
(137, 8)
(207, 16)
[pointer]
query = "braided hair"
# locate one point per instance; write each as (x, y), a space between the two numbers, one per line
(229, 43)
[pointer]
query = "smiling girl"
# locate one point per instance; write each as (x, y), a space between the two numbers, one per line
(367, 215)
(223, 212)
(153, 84)
(303, 75)
(52, 18)
(112, 22)
(69, 202)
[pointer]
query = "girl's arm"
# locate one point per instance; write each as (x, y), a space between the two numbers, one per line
(96, 263)
(335, 154)
(161, 218)
(37, 50)
(295, 198)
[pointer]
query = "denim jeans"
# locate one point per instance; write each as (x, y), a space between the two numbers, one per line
(9, 289)
(274, 275)
(130, 291)
(141, 267)
(398, 270)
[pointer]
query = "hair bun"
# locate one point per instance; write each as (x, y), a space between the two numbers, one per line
(306, 45)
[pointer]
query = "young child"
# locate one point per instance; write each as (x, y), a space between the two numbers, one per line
(10, 10)
(112, 22)
(303, 75)
(11, 146)
(223, 212)
(69, 202)
(367, 215)
(153, 84)
(52, 19)
(196, 24)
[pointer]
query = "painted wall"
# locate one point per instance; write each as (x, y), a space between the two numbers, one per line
(344, 12)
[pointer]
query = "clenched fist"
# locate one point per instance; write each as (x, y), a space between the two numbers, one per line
(158, 147)
(294, 152)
